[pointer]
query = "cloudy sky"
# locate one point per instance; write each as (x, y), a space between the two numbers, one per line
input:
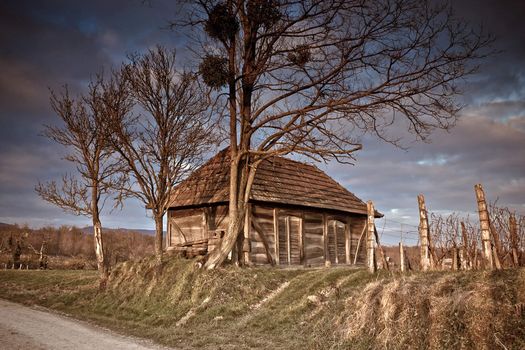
(44, 45)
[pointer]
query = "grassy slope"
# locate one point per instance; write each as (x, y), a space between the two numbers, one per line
(325, 308)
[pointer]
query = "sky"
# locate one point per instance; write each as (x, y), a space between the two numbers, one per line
(45, 45)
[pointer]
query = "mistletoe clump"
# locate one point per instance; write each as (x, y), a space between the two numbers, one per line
(214, 71)
(221, 23)
(300, 56)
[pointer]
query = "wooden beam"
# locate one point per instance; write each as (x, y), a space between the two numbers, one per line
(288, 242)
(302, 252)
(348, 241)
(359, 243)
(370, 243)
(383, 256)
(168, 234)
(325, 241)
(335, 241)
(264, 241)
(276, 233)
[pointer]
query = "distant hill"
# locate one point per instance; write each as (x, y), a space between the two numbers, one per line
(89, 229)
(4, 225)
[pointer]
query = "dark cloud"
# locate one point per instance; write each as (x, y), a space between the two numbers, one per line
(45, 45)
(501, 76)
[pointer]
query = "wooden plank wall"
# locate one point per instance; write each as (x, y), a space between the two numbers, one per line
(264, 217)
(188, 225)
(336, 241)
(356, 227)
(313, 238)
(217, 217)
(185, 225)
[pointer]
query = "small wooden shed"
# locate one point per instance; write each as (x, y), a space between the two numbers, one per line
(297, 215)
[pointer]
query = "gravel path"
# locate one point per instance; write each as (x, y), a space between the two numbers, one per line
(23, 327)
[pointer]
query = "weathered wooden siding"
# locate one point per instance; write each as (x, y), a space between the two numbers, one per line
(217, 217)
(313, 238)
(186, 225)
(336, 241)
(357, 223)
(263, 217)
(300, 239)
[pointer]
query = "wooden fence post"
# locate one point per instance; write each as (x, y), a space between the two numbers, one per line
(454, 258)
(401, 257)
(485, 227)
(466, 261)
(513, 228)
(424, 239)
(462, 259)
(370, 242)
(383, 255)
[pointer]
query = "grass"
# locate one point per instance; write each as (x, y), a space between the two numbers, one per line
(337, 308)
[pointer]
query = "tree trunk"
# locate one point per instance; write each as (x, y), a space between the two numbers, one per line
(236, 212)
(16, 252)
(99, 250)
(102, 263)
(219, 254)
(42, 261)
(159, 232)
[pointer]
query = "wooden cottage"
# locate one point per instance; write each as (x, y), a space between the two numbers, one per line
(297, 215)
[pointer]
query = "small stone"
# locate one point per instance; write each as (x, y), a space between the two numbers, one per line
(314, 299)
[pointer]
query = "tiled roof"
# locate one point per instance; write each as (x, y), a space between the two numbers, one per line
(278, 180)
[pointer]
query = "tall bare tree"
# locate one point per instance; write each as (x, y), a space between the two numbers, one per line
(98, 170)
(166, 137)
(309, 76)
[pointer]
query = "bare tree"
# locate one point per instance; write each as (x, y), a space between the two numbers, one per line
(309, 77)
(167, 137)
(98, 170)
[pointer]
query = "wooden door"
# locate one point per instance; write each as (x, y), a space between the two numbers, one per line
(336, 242)
(290, 240)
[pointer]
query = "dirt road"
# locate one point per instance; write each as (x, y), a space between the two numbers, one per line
(22, 327)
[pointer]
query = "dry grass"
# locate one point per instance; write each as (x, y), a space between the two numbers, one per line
(337, 308)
